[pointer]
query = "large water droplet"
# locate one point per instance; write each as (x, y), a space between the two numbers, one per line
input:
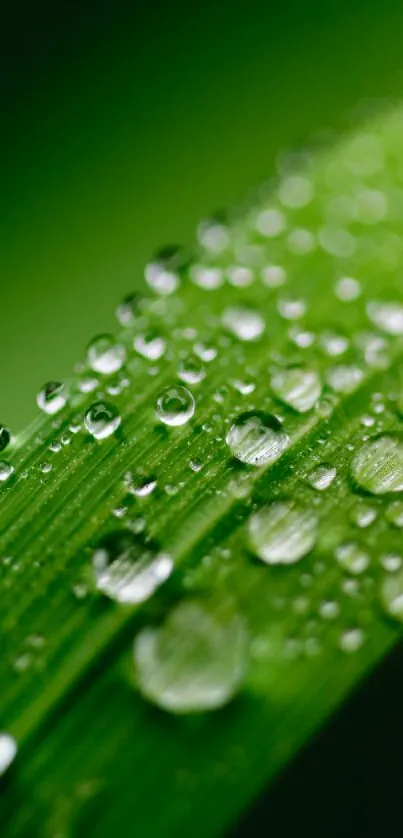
(5, 437)
(195, 661)
(105, 355)
(8, 750)
(128, 569)
(283, 532)
(52, 397)
(352, 558)
(378, 465)
(297, 387)
(257, 438)
(244, 323)
(102, 419)
(387, 316)
(175, 406)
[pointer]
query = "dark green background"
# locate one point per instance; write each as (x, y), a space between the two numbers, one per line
(123, 124)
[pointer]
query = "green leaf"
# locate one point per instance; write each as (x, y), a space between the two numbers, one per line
(244, 425)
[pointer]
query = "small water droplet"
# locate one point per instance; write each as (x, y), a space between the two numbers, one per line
(322, 476)
(274, 276)
(295, 191)
(206, 276)
(352, 640)
(386, 316)
(392, 596)
(5, 438)
(297, 387)
(195, 465)
(347, 289)
(240, 276)
(291, 309)
(6, 470)
(257, 438)
(175, 406)
(128, 569)
(52, 397)
(105, 355)
(139, 484)
(270, 223)
(205, 353)
(45, 468)
(333, 343)
(191, 370)
(163, 272)
(150, 345)
(344, 379)
(363, 516)
(329, 610)
(213, 235)
(378, 465)
(283, 532)
(394, 513)
(8, 751)
(194, 661)
(301, 241)
(129, 309)
(244, 323)
(102, 419)
(352, 558)
(391, 562)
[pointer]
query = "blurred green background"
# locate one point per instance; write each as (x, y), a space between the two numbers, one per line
(125, 123)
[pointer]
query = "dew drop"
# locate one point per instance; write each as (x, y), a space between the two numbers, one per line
(191, 370)
(297, 387)
(163, 273)
(291, 309)
(128, 569)
(244, 323)
(386, 316)
(105, 355)
(206, 276)
(129, 309)
(8, 751)
(270, 223)
(283, 532)
(322, 476)
(394, 513)
(5, 437)
(150, 345)
(363, 516)
(347, 289)
(295, 191)
(352, 640)
(343, 378)
(102, 419)
(352, 558)
(257, 438)
(175, 406)
(6, 470)
(391, 562)
(274, 276)
(52, 397)
(195, 661)
(329, 610)
(392, 596)
(378, 466)
(139, 484)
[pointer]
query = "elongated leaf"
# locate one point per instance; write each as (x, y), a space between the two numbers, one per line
(290, 311)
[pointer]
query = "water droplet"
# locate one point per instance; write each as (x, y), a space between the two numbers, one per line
(105, 355)
(213, 235)
(8, 751)
(257, 438)
(45, 468)
(394, 513)
(352, 640)
(347, 289)
(274, 276)
(297, 387)
(363, 516)
(270, 223)
(129, 309)
(329, 610)
(295, 191)
(239, 276)
(102, 419)
(5, 437)
(194, 661)
(322, 476)
(333, 343)
(244, 323)
(128, 569)
(139, 484)
(206, 276)
(195, 465)
(52, 397)
(378, 465)
(283, 532)
(163, 273)
(6, 470)
(191, 371)
(175, 406)
(291, 309)
(205, 353)
(392, 596)
(150, 345)
(387, 316)
(391, 562)
(371, 206)
(336, 241)
(344, 379)
(352, 558)
(245, 388)
(301, 241)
